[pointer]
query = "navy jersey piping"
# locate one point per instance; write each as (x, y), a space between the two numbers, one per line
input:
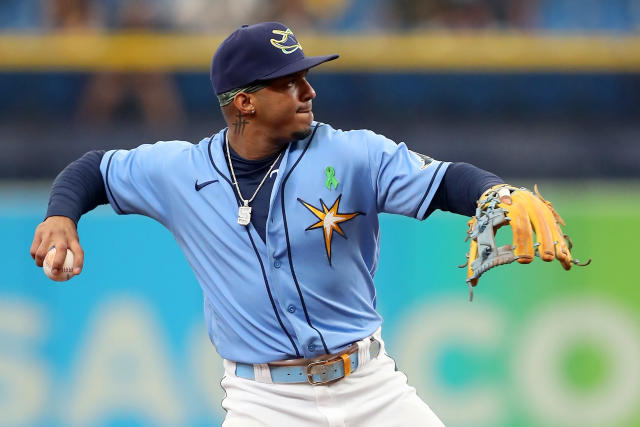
(255, 249)
(286, 234)
(106, 181)
(273, 304)
(214, 164)
(433, 178)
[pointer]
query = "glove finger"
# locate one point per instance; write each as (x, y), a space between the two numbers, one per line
(473, 254)
(541, 225)
(520, 228)
(561, 250)
(557, 216)
(563, 254)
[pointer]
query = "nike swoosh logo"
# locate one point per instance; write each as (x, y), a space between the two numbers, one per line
(204, 184)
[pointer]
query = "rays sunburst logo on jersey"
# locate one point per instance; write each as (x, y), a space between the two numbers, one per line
(286, 36)
(329, 221)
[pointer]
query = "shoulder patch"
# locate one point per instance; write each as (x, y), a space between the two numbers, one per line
(423, 159)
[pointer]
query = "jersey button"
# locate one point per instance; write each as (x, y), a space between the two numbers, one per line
(291, 309)
(277, 263)
(311, 347)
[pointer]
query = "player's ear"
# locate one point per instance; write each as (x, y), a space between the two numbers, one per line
(244, 103)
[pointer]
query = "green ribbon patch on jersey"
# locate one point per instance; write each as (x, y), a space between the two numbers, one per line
(331, 178)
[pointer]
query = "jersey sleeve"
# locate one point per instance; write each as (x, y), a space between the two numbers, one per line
(136, 180)
(404, 181)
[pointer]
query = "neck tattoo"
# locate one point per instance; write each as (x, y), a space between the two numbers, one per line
(244, 211)
(239, 124)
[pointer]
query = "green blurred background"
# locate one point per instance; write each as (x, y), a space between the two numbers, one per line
(540, 91)
(538, 345)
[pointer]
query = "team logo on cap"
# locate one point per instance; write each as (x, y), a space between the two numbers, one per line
(280, 44)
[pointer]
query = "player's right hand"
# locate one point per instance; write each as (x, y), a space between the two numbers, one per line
(61, 232)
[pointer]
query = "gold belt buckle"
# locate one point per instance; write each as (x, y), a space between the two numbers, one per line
(343, 358)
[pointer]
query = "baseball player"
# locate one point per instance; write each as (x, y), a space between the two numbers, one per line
(277, 214)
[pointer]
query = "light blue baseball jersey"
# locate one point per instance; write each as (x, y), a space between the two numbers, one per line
(307, 290)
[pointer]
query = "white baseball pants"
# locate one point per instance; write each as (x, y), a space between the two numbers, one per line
(375, 395)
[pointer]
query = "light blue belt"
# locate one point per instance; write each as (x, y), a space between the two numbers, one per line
(321, 371)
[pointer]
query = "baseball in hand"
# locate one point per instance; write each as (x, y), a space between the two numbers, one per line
(65, 273)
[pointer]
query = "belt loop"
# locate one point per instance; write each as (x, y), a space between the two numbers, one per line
(363, 352)
(347, 364)
(229, 367)
(262, 373)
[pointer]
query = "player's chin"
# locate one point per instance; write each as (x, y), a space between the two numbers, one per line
(302, 133)
(304, 125)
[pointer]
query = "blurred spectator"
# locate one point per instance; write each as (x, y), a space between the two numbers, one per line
(126, 95)
(294, 13)
(310, 15)
(326, 10)
(71, 15)
(136, 14)
(220, 16)
(458, 14)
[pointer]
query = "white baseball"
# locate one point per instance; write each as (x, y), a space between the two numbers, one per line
(65, 273)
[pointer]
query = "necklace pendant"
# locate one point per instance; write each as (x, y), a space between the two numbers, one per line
(244, 215)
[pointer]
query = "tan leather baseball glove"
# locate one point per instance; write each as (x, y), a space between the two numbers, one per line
(527, 213)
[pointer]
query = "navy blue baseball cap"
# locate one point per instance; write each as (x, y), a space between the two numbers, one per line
(263, 51)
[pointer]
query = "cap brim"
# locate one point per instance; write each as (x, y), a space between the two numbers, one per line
(303, 64)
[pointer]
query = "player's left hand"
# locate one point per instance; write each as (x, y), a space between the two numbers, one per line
(526, 213)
